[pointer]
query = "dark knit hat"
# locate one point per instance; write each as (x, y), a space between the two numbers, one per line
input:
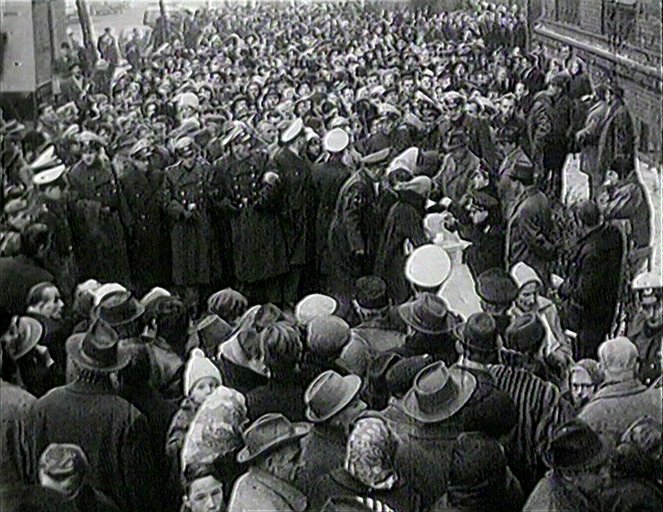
(525, 334)
(476, 460)
(575, 446)
(480, 333)
(371, 292)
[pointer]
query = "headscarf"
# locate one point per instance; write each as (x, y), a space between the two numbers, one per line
(370, 452)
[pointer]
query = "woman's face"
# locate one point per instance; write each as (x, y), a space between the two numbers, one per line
(528, 296)
(582, 388)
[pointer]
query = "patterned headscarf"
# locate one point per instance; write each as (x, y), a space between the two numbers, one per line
(217, 428)
(370, 451)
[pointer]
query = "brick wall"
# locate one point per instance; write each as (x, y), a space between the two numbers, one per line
(636, 63)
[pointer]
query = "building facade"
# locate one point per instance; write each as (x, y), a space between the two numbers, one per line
(618, 39)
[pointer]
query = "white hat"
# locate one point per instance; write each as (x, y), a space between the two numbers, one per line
(105, 290)
(428, 266)
(154, 294)
(313, 306)
(336, 140)
(48, 176)
(647, 280)
(45, 159)
(188, 99)
(292, 131)
(523, 274)
(198, 367)
(406, 160)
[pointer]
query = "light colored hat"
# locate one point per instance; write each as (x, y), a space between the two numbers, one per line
(406, 160)
(140, 145)
(377, 157)
(45, 159)
(28, 334)
(647, 280)
(293, 131)
(420, 185)
(105, 290)
(188, 99)
(154, 294)
(313, 306)
(523, 274)
(428, 266)
(336, 140)
(198, 367)
(48, 176)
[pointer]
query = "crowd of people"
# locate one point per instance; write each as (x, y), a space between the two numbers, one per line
(223, 253)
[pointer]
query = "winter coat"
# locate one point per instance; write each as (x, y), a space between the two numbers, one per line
(352, 229)
(627, 207)
(616, 144)
(323, 450)
(326, 181)
(280, 394)
(591, 289)
(253, 207)
(148, 240)
(186, 202)
(554, 494)
(341, 483)
(648, 339)
(618, 404)
(404, 223)
(113, 434)
(16, 403)
(258, 490)
(529, 227)
(99, 216)
(454, 177)
(588, 140)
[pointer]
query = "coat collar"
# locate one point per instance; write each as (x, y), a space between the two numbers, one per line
(619, 389)
(281, 488)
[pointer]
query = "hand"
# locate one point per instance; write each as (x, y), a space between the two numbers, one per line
(556, 281)
(270, 178)
(359, 253)
(105, 209)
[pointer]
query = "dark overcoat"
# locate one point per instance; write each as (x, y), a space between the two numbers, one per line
(185, 199)
(252, 206)
(148, 241)
(98, 218)
(352, 229)
(326, 181)
(112, 433)
(591, 288)
(295, 173)
(17, 275)
(616, 145)
(529, 228)
(404, 222)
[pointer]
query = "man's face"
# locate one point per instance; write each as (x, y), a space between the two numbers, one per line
(205, 495)
(508, 108)
(407, 87)
(187, 154)
(241, 150)
(88, 153)
(52, 305)
(292, 460)
(202, 389)
(520, 89)
(652, 309)
(582, 388)
(527, 297)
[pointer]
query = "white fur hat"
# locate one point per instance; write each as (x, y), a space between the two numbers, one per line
(523, 274)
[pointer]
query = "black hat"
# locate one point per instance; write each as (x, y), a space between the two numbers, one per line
(400, 376)
(485, 201)
(496, 286)
(576, 446)
(480, 333)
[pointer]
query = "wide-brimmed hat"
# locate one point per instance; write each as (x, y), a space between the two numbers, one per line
(438, 393)
(376, 158)
(28, 333)
(427, 266)
(97, 349)
(576, 446)
(269, 432)
(119, 308)
(428, 313)
(329, 394)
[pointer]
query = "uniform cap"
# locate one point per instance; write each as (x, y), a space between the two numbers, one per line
(336, 140)
(293, 131)
(428, 266)
(48, 176)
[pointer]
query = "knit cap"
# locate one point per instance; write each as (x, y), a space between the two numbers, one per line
(199, 367)
(370, 452)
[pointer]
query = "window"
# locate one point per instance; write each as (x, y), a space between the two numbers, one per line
(567, 11)
(619, 17)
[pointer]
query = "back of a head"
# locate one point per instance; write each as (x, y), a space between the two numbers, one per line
(588, 213)
(33, 498)
(171, 319)
(137, 372)
(476, 460)
(36, 295)
(618, 356)
(283, 347)
(34, 238)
